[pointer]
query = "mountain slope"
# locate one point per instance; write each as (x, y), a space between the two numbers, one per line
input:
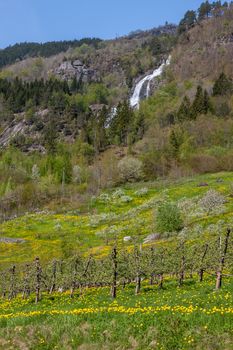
(206, 50)
(85, 125)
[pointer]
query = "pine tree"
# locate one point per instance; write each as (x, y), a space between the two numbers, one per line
(155, 46)
(222, 86)
(121, 125)
(50, 137)
(198, 106)
(187, 22)
(76, 85)
(206, 103)
(184, 111)
(204, 10)
(216, 8)
(97, 130)
(139, 127)
(175, 141)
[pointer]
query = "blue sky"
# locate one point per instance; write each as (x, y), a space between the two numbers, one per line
(46, 20)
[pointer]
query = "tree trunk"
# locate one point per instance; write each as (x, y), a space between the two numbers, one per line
(138, 284)
(12, 291)
(201, 275)
(160, 285)
(201, 272)
(152, 262)
(54, 275)
(181, 274)
(74, 283)
(38, 279)
(114, 282)
(219, 280)
(222, 260)
(151, 279)
(137, 256)
(26, 288)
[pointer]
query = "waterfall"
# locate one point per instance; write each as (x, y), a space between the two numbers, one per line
(135, 99)
(111, 115)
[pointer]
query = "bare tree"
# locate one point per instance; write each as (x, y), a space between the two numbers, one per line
(54, 276)
(201, 271)
(26, 282)
(12, 290)
(114, 272)
(38, 279)
(223, 252)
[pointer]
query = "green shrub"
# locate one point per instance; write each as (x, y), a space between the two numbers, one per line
(168, 218)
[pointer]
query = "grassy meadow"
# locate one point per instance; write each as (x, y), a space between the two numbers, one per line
(126, 211)
(194, 316)
(191, 317)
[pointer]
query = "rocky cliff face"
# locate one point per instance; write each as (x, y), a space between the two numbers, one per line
(76, 69)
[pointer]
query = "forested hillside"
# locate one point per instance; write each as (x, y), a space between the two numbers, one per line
(19, 52)
(116, 187)
(78, 119)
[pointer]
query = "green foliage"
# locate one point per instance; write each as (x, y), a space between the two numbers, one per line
(204, 10)
(50, 136)
(172, 328)
(20, 51)
(76, 86)
(19, 95)
(65, 110)
(201, 103)
(91, 228)
(184, 112)
(160, 45)
(96, 93)
(222, 107)
(121, 126)
(187, 22)
(176, 139)
(198, 103)
(168, 218)
(161, 103)
(222, 86)
(96, 130)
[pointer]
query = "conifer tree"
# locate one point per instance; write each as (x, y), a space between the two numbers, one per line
(50, 137)
(175, 142)
(97, 130)
(206, 102)
(204, 10)
(222, 86)
(139, 126)
(198, 103)
(184, 111)
(187, 22)
(216, 8)
(121, 125)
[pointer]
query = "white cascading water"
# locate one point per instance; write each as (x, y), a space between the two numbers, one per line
(135, 99)
(111, 115)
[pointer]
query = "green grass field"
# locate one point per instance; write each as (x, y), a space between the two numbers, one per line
(194, 316)
(191, 317)
(51, 235)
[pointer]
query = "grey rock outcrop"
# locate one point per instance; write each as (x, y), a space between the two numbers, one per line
(11, 131)
(76, 69)
(151, 238)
